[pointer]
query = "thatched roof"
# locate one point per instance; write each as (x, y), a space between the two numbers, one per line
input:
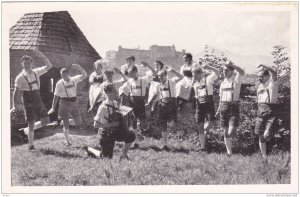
(53, 32)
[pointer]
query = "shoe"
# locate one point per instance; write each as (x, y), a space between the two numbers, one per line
(166, 148)
(89, 153)
(135, 146)
(31, 148)
(229, 155)
(125, 157)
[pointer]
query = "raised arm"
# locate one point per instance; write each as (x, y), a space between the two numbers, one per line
(118, 71)
(271, 71)
(145, 64)
(237, 68)
(44, 58)
(211, 68)
(81, 70)
(177, 74)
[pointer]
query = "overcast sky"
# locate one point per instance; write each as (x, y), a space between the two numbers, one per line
(240, 30)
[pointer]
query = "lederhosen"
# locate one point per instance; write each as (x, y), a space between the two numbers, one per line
(230, 109)
(204, 105)
(167, 109)
(69, 99)
(265, 113)
(138, 102)
(109, 136)
(32, 101)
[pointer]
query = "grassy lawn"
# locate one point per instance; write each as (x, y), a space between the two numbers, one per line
(55, 164)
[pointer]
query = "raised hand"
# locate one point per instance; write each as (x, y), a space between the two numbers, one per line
(38, 53)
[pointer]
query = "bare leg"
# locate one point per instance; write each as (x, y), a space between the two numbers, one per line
(263, 146)
(66, 130)
(30, 133)
(126, 149)
(228, 141)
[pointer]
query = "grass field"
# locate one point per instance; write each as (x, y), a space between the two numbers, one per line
(54, 164)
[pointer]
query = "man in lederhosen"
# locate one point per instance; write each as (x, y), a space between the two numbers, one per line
(167, 104)
(27, 85)
(66, 90)
(136, 86)
(267, 96)
(205, 111)
(111, 127)
(229, 102)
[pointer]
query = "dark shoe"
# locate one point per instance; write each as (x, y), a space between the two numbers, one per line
(135, 146)
(57, 124)
(67, 144)
(229, 155)
(31, 149)
(166, 148)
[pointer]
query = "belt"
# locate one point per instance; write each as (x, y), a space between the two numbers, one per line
(231, 102)
(69, 99)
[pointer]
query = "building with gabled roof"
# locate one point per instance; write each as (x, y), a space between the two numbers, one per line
(59, 38)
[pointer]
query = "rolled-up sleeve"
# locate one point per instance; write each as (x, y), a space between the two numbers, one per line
(40, 70)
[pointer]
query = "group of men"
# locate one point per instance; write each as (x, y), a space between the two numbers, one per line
(177, 100)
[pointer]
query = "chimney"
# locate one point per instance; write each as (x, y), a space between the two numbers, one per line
(120, 47)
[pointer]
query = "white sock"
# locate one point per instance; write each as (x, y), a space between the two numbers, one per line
(263, 148)
(228, 143)
(164, 136)
(94, 151)
(202, 138)
(66, 134)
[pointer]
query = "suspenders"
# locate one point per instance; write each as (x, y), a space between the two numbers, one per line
(31, 83)
(109, 118)
(229, 89)
(138, 87)
(262, 91)
(69, 86)
(202, 87)
(166, 89)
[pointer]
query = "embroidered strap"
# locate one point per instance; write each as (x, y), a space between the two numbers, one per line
(138, 87)
(69, 86)
(229, 89)
(33, 82)
(265, 90)
(111, 116)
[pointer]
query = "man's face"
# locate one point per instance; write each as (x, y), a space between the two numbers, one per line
(187, 59)
(197, 76)
(65, 76)
(130, 62)
(262, 78)
(227, 72)
(162, 77)
(98, 68)
(109, 77)
(27, 64)
(156, 66)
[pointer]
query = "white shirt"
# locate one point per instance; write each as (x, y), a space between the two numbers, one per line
(186, 67)
(23, 85)
(67, 89)
(138, 87)
(164, 90)
(103, 111)
(267, 92)
(231, 86)
(205, 86)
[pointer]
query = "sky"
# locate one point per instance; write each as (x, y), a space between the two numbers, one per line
(240, 29)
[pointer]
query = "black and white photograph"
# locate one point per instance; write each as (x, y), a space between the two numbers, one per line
(150, 97)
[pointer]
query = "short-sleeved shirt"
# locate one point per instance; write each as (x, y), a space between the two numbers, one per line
(231, 87)
(67, 89)
(104, 111)
(23, 85)
(95, 75)
(138, 87)
(205, 86)
(267, 92)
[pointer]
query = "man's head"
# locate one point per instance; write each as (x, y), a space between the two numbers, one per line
(98, 66)
(26, 62)
(130, 60)
(65, 74)
(188, 58)
(162, 76)
(263, 76)
(228, 70)
(158, 65)
(133, 72)
(109, 75)
(111, 91)
(197, 73)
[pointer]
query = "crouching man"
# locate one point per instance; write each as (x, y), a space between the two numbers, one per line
(110, 124)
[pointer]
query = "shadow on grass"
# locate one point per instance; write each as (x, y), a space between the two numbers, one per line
(59, 154)
(160, 149)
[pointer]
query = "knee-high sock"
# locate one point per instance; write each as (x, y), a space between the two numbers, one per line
(66, 134)
(228, 143)
(126, 148)
(164, 136)
(94, 151)
(202, 138)
(263, 148)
